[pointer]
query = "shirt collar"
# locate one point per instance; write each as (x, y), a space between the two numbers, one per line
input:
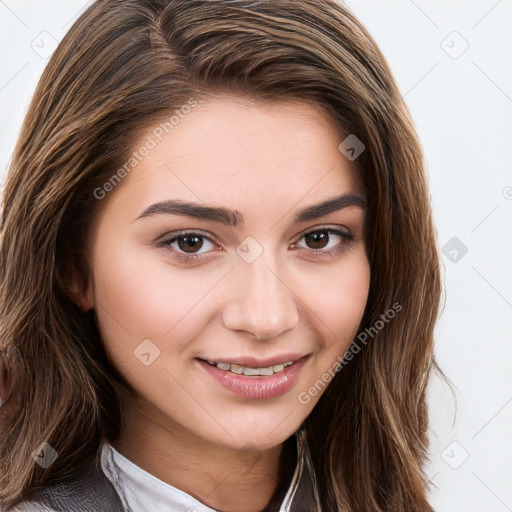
(140, 491)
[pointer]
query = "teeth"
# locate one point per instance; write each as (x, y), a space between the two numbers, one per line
(236, 368)
(251, 372)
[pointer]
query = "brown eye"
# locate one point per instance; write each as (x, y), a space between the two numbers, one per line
(326, 242)
(317, 239)
(189, 243)
(187, 246)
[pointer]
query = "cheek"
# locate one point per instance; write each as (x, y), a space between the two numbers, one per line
(144, 298)
(338, 301)
(338, 297)
(141, 296)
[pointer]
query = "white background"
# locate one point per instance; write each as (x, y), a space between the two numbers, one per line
(461, 102)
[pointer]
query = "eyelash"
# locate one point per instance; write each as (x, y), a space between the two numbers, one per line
(348, 239)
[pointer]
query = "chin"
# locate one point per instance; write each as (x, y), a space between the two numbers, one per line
(258, 428)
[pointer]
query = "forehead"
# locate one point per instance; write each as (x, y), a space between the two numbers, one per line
(252, 156)
(228, 136)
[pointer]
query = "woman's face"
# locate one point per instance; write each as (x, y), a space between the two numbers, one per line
(257, 280)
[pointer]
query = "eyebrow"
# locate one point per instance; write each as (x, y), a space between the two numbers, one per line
(235, 218)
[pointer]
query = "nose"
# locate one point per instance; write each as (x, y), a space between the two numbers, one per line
(262, 303)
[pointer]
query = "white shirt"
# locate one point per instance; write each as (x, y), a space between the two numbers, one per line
(142, 492)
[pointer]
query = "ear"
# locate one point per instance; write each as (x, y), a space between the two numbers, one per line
(79, 287)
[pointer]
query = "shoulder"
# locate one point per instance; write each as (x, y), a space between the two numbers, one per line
(90, 492)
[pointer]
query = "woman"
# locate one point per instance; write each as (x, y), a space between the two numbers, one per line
(219, 271)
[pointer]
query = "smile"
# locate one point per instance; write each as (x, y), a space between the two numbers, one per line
(256, 379)
(238, 369)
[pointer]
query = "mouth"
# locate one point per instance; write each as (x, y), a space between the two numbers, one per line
(256, 378)
(250, 371)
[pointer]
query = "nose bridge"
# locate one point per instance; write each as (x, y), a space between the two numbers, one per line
(263, 303)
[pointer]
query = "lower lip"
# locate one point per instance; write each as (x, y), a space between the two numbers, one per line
(257, 387)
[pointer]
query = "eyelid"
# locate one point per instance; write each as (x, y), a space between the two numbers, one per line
(169, 235)
(327, 227)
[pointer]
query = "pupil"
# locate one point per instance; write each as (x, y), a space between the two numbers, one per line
(316, 237)
(189, 243)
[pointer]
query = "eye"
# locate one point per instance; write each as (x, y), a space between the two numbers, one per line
(319, 240)
(186, 245)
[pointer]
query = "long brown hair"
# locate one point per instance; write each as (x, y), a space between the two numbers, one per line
(126, 64)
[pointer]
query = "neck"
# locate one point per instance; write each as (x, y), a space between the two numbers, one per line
(220, 477)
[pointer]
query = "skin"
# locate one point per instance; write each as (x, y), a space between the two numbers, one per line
(268, 161)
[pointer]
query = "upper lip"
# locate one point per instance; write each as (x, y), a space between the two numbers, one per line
(256, 362)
